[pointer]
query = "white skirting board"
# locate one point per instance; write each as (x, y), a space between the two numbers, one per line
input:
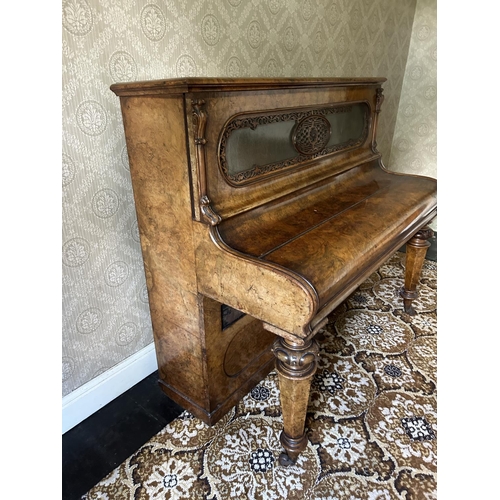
(92, 396)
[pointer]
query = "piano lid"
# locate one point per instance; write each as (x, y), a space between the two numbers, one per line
(200, 84)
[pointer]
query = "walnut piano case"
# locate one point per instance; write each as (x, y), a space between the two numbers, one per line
(262, 204)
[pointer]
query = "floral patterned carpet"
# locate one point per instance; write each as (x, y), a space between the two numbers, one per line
(371, 425)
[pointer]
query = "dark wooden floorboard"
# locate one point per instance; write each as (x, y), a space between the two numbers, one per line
(104, 440)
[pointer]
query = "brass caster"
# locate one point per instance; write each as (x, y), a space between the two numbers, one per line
(410, 311)
(285, 460)
(408, 298)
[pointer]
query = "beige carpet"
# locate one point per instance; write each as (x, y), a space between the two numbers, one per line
(371, 425)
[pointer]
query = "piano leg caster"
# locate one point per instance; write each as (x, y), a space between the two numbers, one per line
(293, 447)
(285, 461)
(416, 249)
(296, 365)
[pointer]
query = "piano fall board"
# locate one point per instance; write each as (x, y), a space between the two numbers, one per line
(262, 204)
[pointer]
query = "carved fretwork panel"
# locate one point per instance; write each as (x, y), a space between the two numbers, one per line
(256, 145)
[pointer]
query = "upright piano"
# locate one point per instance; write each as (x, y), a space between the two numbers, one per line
(262, 204)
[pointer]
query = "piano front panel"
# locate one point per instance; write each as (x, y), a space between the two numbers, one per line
(233, 189)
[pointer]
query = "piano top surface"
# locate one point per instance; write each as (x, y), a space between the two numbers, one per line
(199, 84)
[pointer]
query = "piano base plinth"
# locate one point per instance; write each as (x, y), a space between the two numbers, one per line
(209, 369)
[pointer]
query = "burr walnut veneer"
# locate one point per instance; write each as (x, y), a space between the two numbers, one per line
(262, 204)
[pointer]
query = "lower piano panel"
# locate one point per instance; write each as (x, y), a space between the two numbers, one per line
(230, 363)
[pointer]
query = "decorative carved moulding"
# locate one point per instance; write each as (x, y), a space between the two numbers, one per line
(379, 99)
(200, 123)
(296, 136)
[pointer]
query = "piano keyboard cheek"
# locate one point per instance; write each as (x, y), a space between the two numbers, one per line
(272, 294)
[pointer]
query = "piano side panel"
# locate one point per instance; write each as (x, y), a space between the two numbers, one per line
(156, 143)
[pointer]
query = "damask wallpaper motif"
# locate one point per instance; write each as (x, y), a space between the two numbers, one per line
(414, 147)
(105, 304)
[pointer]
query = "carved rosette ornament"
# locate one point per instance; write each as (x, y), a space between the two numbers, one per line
(200, 123)
(311, 134)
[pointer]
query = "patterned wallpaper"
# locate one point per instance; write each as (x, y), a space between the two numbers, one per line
(414, 146)
(105, 305)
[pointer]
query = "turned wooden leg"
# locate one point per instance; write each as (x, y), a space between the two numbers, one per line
(416, 249)
(296, 365)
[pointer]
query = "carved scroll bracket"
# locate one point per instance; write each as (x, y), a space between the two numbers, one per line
(200, 122)
(379, 99)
